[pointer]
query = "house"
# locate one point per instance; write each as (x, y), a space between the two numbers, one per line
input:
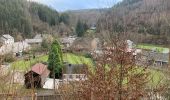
(86, 44)
(38, 36)
(67, 41)
(74, 72)
(37, 40)
(130, 44)
(16, 47)
(6, 39)
(36, 76)
(156, 59)
(34, 41)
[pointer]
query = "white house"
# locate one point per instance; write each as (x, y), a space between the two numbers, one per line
(7, 39)
(130, 44)
(34, 41)
(14, 48)
(68, 41)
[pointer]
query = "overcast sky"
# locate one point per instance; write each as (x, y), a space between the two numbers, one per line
(63, 5)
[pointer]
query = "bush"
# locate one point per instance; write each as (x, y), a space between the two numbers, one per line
(88, 55)
(9, 58)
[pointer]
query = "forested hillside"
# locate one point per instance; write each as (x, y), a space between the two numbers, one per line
(140, 20)
(90, 16)
(20, 17)
(14, 16)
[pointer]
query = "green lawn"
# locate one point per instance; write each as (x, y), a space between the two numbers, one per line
(77, 59)
(68, 57)
(153, 47)
(155, 77)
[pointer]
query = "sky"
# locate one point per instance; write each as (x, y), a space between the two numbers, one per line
(64, 5)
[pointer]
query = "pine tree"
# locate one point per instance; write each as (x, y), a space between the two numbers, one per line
(80, 29)
(55, 60)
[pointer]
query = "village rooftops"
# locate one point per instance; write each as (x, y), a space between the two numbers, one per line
(14, 48)
(7, 36)
(33, 41)
(6, 39)
(40, 69)
(38, 36)
(69, 39)
(155, 56)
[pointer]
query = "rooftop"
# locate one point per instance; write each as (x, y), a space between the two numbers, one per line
(7, 36)
(38, 36)
(164, 57)
(33, 40)
(40, 69)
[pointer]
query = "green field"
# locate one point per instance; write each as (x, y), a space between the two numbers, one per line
(155, 76)
(153, 47)
(68, 57)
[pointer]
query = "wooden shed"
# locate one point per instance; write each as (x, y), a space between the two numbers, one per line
(36, 76)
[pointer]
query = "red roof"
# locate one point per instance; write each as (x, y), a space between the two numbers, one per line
(40, 69)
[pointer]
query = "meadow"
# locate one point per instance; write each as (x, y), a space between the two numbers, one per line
(155, 76)
(157, 48)
(67, 57)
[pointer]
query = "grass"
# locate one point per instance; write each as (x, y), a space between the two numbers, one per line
(68, 57)
(155, 76)
(77, 59)
(153, 47)
(91, 31)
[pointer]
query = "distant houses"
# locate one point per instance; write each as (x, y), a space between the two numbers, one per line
(67, 41)
(37, 40)
(156, 59)
(7, 44)
(14, 48)
(86, 44)
(34, 41)
(6, 39)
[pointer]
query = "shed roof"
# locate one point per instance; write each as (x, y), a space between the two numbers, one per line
(40, 69)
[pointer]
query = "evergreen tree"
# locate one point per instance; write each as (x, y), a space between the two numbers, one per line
(81, 28)
(55, 60)
(64, 18)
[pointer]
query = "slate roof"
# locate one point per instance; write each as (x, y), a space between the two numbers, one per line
(33, 41)
(38, 36)
(68, 40)
(7, 36)
(40, 69)
(164, 57)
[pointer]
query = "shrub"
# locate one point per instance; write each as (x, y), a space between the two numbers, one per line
(9, 58)
(88, 55)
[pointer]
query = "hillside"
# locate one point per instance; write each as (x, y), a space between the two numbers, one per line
(90, 16)
(20, 17)
(140, 20)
